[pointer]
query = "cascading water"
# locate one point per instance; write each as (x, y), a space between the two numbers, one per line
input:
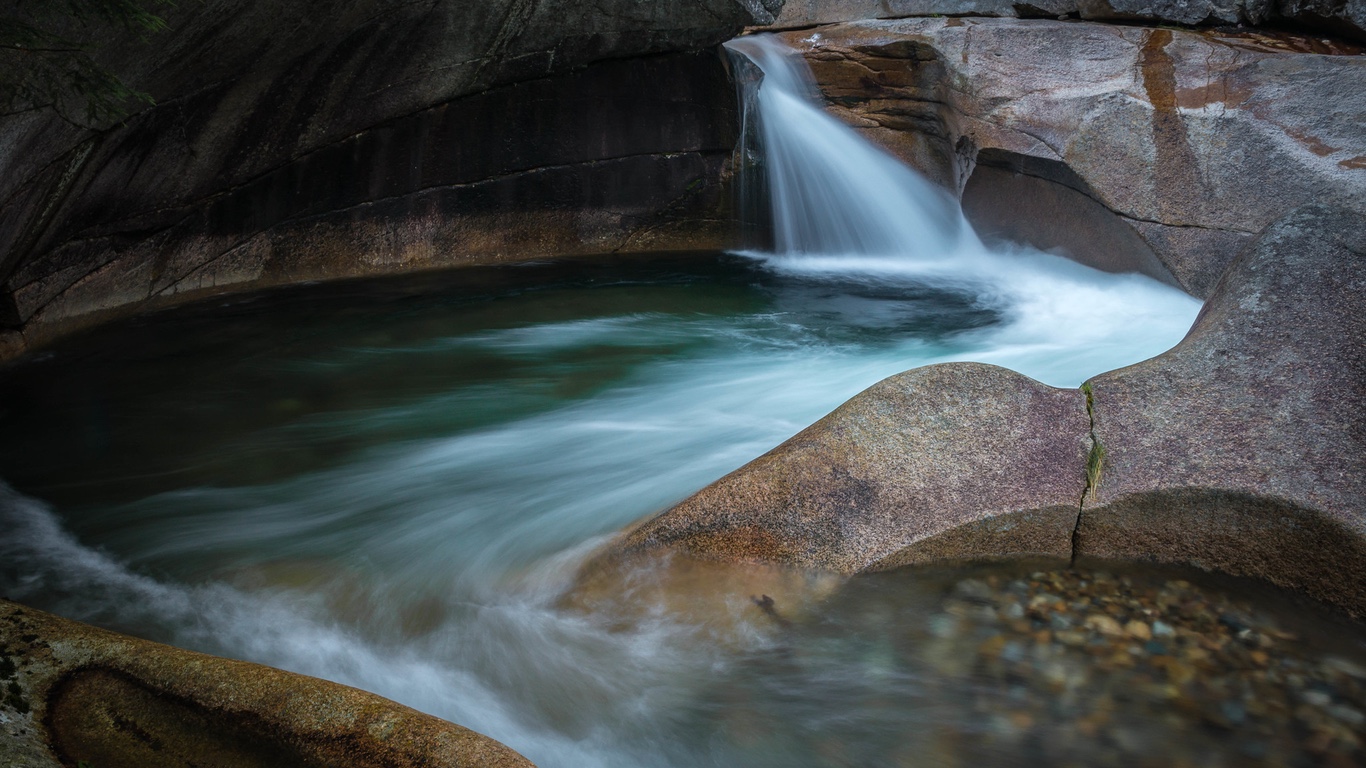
(394, 491)
(832, 192)
(843, 209)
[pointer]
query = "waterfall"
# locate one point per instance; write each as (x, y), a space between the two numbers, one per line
(830, 191)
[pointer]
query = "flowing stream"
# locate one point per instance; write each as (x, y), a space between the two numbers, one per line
(391, 483)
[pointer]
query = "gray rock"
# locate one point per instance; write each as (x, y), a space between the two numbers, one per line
(940, 462)
(1188, 12)
(802, 13)
(1241, 449)
(109, 700)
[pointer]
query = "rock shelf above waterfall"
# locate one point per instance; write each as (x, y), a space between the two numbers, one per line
(1160, 151)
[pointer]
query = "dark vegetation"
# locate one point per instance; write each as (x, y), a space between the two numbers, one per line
(48, 56)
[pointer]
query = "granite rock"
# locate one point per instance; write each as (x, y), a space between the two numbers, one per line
(1239, 450)
(1338, 17)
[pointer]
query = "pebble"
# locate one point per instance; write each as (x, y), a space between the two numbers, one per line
(1104, 625)
(1317, 698)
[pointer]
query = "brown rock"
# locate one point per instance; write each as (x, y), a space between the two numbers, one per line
(958, 460)
(104, 699)
(1104, 625)
(1138, 629)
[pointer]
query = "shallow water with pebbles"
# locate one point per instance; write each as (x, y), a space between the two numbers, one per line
(998, 665)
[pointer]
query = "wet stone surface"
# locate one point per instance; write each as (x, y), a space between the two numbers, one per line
(1060, 667)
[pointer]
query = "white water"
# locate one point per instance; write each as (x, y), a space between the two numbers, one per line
(832, 192)
(426, 569)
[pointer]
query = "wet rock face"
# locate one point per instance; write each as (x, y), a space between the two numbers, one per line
(1153, 150)
(79, 695)
(1241, 449)
(324, 140)
(1340, 17)
(940, 462)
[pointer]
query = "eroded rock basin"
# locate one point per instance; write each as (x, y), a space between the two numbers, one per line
(331, 486)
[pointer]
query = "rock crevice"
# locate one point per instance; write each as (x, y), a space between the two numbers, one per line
(1095, 465)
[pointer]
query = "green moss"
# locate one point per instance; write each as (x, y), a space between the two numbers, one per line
(1095, 462)
(13, 695)
(14, 698)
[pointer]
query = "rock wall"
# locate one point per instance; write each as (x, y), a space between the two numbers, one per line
(1346, 18)
(314, 142)
(318, 140)
(1156, 150)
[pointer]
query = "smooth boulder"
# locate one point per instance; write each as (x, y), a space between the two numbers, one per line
(946, 461)
(71, 694)
(1239, 450)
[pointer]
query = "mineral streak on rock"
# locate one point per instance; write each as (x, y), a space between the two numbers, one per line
(92, 697)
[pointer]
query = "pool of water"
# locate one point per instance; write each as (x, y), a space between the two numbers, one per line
(392, 484)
